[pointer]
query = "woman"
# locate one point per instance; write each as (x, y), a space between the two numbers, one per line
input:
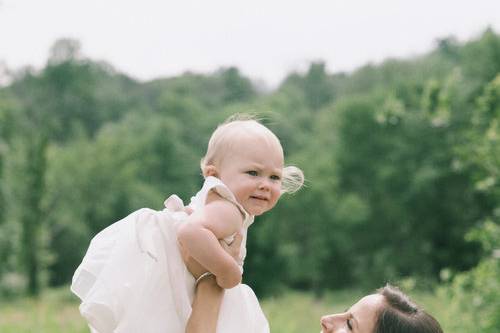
(387, 311)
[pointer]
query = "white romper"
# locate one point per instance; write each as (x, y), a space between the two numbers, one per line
(133, 279)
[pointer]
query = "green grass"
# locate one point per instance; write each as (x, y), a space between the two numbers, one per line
(56, 311)
(298, 312)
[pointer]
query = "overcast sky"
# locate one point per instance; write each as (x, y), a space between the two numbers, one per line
(265, 39)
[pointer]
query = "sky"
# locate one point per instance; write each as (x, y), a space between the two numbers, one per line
(265, 39)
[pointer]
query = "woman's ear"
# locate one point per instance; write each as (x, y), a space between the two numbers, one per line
(210, 170)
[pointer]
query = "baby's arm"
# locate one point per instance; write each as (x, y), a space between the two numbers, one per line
(208, 295)
(200, 236)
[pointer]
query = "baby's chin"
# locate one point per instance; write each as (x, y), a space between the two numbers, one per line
(259, 213)
(262, 211)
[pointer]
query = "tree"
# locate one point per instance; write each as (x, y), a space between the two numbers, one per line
(64, 50)
(137, 162)
(41, 124)
(236, 87)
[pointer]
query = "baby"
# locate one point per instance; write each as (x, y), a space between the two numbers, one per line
(134, 278)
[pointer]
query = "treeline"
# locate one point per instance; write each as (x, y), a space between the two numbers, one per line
(402, 161)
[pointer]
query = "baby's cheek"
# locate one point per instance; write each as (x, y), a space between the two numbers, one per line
(277, 193)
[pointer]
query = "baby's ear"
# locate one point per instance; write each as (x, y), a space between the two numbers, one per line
(210, 170)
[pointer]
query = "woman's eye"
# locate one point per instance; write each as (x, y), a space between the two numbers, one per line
(252, 173)
(349, 324)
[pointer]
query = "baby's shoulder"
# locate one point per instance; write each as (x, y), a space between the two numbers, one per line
(219, 205)
(220, 213)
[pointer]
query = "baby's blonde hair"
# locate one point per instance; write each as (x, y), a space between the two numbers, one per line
(226, 136)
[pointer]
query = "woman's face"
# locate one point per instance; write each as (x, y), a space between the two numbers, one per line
(360, 318)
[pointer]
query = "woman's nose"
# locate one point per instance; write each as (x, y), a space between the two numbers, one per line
(332, 323)
(327, 323)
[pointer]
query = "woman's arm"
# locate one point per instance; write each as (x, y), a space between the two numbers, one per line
(208, 296)
(206, 305)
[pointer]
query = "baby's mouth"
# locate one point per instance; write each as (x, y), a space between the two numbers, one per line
(258, 197)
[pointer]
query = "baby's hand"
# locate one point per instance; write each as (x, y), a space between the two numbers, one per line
(188, 210)
(234, 248)
(196, 269)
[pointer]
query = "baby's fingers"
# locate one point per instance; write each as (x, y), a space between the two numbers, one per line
(238, 238)
(234, 248)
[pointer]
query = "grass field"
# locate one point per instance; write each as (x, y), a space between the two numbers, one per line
(57, 312)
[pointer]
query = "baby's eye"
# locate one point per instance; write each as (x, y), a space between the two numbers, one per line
(349, 324)
(252, 173)
(275, 177)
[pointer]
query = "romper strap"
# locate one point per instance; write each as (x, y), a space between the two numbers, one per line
(215, 184)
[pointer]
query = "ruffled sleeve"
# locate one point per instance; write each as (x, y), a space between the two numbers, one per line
(215, 184)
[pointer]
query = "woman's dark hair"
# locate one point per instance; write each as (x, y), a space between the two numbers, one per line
(400, 315)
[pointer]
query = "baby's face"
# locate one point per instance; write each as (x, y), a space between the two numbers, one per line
(253, 173)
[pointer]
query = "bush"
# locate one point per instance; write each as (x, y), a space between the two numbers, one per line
(475, 295)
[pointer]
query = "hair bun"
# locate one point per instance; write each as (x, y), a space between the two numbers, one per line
(292, 179)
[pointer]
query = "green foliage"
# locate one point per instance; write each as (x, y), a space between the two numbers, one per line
(236, 87)
(30, 218)
(475, 295)
(401, 160)
(481, 58)
(485, 139)
(132, 164)
(315, 86)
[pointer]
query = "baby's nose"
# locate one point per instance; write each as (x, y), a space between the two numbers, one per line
(264, 184)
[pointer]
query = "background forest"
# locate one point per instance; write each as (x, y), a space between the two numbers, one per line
(402, 161)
